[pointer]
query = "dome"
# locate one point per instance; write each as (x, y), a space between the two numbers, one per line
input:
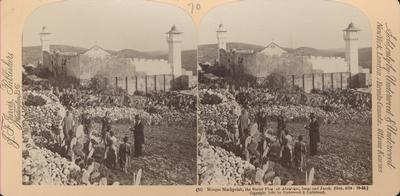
(351, 27)
(174, 30)
(221, 28)
(44, 31)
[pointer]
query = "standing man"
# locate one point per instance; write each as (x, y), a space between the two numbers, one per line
(138, 133)
(313, 128)
(264, 122)
(259, 120)
(281, 124)
(105, 132)
(86, 122)
(68, 125)
(243, 125)
(105, 126)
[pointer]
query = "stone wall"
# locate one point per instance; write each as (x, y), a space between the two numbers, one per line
(61, 63)
(328, 64)
(261, 65)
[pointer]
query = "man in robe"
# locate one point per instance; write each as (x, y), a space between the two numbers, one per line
(281, 124)
(138, 133)
(243, 125)
(313, 128)
(106, 126)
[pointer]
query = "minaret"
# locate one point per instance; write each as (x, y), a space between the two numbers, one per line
(221, 38)
(174, 50)
(45, 41)
(350, 36)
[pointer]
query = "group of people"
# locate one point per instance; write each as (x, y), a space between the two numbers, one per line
(257, 143)
(78, 144)
(112, 154)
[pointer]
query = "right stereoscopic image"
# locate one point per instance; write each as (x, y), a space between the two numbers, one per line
(284, 94)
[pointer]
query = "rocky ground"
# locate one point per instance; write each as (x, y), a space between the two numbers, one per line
(345, 148)
(169, 152)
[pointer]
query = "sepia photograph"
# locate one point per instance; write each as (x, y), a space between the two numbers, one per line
(109, 94)
(284, 94)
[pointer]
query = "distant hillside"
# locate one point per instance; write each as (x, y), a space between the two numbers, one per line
(207, 53)
(32, 54)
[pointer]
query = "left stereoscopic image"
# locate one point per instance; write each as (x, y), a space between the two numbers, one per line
(109, 94)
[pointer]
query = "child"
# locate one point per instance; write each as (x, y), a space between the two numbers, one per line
(233, 133)
(299, 153)
(286, 149)
(111, 158)
(124, 154)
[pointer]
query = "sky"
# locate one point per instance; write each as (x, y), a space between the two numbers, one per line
(289, 23)
(111, 24)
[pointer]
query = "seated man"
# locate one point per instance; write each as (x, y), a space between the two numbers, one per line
(251, 145)
(89, 148)
(75, 148)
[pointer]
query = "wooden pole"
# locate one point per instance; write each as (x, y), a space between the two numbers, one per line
(313, 80)
(155, 82)
(136, 83)
(164, 81)
(341, 80)
(349, 85)
(145, 80)
(126, 84)
(292, 81)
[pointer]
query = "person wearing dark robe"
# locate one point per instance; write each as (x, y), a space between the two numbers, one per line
(124, 154)
(105, 127)
(259, 120)
(281, 124)
(243, 125)
(138, 133)
(264, 122)
(313, 128)
(86, 122)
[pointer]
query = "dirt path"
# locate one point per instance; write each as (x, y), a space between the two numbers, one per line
(169, 155)
(345, 154)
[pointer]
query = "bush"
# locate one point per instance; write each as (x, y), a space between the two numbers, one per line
(218, 70)
(211, 99)
(97, 84)
(139, 93)
(33, 100)
(275, 82)
(154, 109)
